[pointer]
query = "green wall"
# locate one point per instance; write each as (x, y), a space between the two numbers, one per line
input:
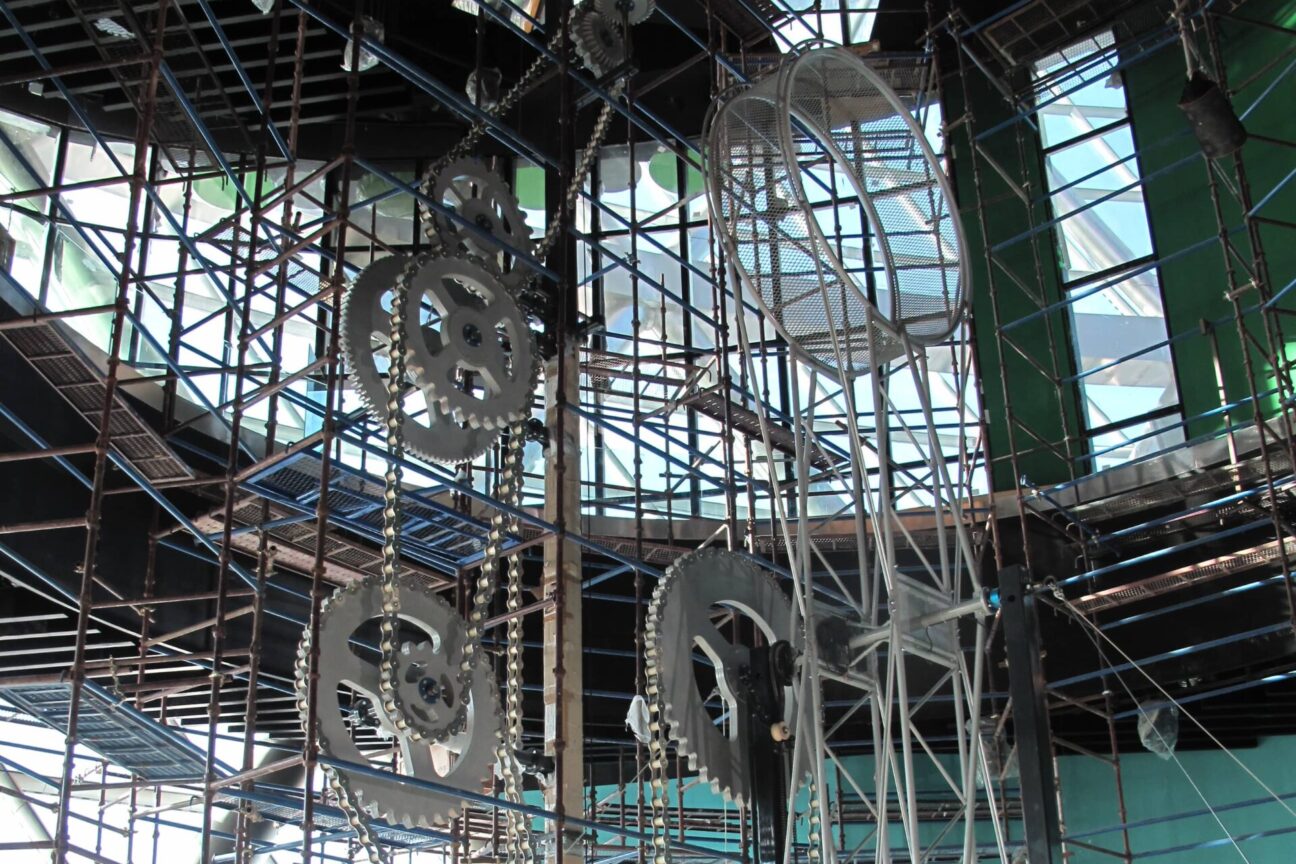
(1039, 404)
(1181, 215)
(1180, 208)
(1154, 789)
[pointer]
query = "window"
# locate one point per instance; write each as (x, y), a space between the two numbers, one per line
(845, 22)
(1125, 372)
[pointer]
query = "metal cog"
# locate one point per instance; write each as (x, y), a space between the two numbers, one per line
(636, 11)
(366, 329)
(479, 330)
(679, 621)
(480, 196)
(599, 44)
(429, 675)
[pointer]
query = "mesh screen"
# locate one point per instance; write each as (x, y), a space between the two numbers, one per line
(789, 177)
(845, 107)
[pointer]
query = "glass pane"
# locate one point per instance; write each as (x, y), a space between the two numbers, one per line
(1080, 89)
(1104, 218)
(1120, 336)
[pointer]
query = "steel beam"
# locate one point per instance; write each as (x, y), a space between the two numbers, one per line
(1030, 717)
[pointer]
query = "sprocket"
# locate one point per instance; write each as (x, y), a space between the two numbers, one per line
(599, 44)
(480, 197)
(477, 359)
(429, 684)
(679, 621)
(635, 11)
(428, 430)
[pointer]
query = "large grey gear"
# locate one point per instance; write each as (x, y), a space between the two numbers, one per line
(479, 330)
(635, 11)
(598, 42)
(428, 430)
(679, 620)
(479, 196)
(429, 678)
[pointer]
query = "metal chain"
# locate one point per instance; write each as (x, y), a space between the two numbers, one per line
(815, 822)
(518, 836)
(519, 89)
(356, 817)
(338, 782)
(583, 167)
(390, 623)
(509, 491)
(656, 736)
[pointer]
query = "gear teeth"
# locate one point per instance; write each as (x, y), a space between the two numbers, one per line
(375, 798)
(599, 44)
(435, 442)
(634, 11)
(433, 371)
(491, 188)
(670, 679)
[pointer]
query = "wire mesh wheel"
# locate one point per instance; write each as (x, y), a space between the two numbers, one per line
(820, 143)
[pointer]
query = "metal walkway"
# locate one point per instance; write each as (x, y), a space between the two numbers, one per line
(57, 359)
(116, 731)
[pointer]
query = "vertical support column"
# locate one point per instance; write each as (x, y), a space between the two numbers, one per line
(1030, 717)
(564, 680)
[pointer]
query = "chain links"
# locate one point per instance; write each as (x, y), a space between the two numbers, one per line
(815, 819)
(583, 167)
(657, 767)
(517, 834)
(338, 782)
(519, 89)
(509, 491)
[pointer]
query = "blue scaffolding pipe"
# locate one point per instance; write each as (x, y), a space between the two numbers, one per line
(1273, 85)
(524, 516)
(1041, 227)
(1217, 843)
(526, 809)
(432, 87)
(1272, 302)
(1026, 114)
(1178, 817)
(1185, 651)
(603, 577)
(1091, 575)
(1210, 694)
(635, 117)
(225, 835)
(112, 265)
(1197, 601)
(633, 268)
(1186, 443)
(1152, 433)
(719, 484)
(280, 144)
(147, 188)
(183, 376)
(1199, 509)
(415, 189)
(42, 444)
(410, 548)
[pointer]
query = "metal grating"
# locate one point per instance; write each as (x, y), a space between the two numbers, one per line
(1232, 563)
(345, 560)
(823, 138)
(711, 402)
(110, 727)
(81, 383)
